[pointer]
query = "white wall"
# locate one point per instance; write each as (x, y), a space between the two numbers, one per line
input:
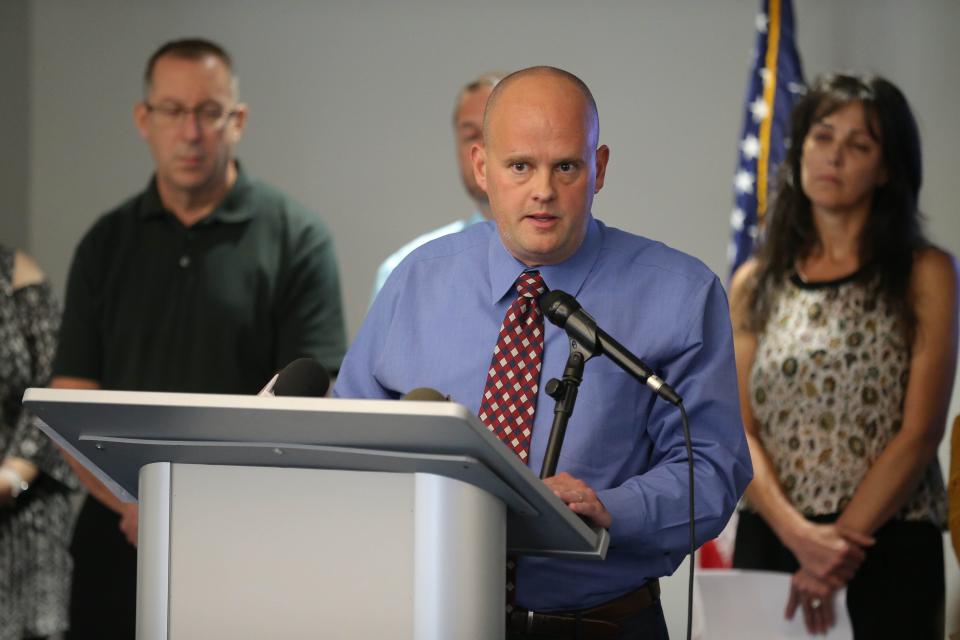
(351, 103)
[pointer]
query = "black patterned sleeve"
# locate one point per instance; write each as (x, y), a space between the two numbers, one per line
(39, 316)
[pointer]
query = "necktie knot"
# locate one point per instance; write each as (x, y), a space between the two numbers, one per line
(530, 284)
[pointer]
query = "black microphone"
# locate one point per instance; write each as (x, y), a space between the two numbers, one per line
(563, 310)
(304, 377)
(425, 394)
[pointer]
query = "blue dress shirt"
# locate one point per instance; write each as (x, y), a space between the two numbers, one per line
(435, 324)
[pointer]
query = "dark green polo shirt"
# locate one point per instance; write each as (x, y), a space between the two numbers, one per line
(218, 307)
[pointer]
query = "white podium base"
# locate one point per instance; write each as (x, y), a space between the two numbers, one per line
(261, 552)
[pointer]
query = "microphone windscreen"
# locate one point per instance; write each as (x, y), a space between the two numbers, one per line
(304, 377)
(557, 306)
(425, 393)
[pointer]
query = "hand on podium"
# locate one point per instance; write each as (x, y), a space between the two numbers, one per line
(580, 498)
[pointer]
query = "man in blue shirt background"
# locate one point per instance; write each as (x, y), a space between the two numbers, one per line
(468, 131)
(623, 464)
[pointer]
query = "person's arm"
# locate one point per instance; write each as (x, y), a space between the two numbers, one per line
(650, 511)
(897, 471)
(128, 511)
(30, 453)
(309, 310)
(826, 551)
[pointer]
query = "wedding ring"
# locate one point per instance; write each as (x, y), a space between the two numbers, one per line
(815, 603)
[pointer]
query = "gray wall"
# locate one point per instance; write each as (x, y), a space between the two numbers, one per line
(351, 100)
(14, 116)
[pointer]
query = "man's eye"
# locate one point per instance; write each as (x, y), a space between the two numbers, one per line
(565, 167)
(518, 166)
(171, 110)
(210, 113)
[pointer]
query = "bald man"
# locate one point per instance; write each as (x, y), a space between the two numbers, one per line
(460, 315)
(467, 130)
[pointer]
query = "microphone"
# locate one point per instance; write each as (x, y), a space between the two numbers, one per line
(304, 377)
(563, 310)
(425, 394)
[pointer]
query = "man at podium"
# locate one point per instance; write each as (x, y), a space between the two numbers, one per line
(460, 315)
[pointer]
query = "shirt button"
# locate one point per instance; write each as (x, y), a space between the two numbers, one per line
(184, 261)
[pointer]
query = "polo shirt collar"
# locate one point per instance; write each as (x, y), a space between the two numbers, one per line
(230, 209)
(568, 275)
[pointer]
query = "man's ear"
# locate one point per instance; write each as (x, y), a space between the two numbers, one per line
(140, 115)
(478, 156)
(603, 157)
(238, 122)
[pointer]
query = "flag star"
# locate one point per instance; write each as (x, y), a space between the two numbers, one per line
(759, 109)
(753, 231)
(750, 146)
(766, 76)
(736, 219)
(761, 22)
(743, 182)
(731, 252)
(796, 88)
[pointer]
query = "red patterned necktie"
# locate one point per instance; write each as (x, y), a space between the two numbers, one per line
(510, 395)
(509, 400)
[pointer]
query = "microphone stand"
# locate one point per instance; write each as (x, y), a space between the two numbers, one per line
(564, 392)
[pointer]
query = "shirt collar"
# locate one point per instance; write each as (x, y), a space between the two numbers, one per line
(568, 275)
(230, 209)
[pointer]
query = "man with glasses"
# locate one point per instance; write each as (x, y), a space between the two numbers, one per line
(205, 282)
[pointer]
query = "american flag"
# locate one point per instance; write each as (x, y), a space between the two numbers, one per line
(775, 83)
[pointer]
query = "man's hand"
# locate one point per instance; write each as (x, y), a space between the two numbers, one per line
(580, 498)
(129, 521)
(829, 552)
(815, 597)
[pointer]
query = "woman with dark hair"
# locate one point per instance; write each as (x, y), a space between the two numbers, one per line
(845, 328)
(35, 482)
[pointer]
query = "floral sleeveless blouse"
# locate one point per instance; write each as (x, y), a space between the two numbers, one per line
(827, 388)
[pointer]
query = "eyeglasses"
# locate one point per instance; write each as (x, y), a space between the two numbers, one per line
(209, 115)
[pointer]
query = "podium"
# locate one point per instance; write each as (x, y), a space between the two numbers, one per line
(314, 517)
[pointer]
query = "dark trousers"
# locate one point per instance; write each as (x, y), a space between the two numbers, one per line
(648, 624)
(899, 590)
(103, 599)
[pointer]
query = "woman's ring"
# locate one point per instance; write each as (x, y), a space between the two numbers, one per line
(815, 603)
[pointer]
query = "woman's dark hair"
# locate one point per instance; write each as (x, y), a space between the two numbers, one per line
(892, 233)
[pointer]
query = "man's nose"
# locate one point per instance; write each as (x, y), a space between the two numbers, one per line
(543, 188)
(190, 126)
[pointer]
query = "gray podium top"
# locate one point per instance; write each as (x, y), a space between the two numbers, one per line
(115, 433)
